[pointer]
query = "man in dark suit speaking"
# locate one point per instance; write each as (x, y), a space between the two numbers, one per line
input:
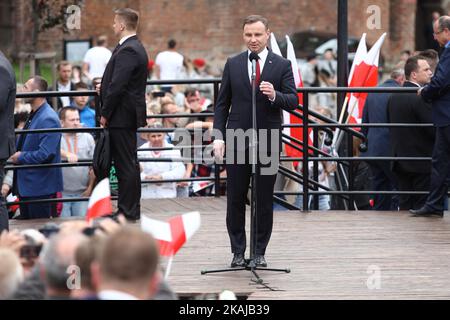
(275, 90)
(123, 110)
(7, 142)
(438, 93)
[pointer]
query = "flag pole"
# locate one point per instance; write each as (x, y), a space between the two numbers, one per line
(341, 116)
(340, 134)
(344, 108)
(169, 267)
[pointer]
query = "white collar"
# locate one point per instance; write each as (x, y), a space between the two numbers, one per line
(415, 83)
(115, 295)
(262, 55)
(125, 38)
(64, 86)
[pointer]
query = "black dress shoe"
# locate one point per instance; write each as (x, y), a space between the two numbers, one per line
(238, 260)
(425, 212)
(132, 219)
(260, 261)
(115, 217)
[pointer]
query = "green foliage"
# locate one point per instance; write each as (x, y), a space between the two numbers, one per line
(45, 71)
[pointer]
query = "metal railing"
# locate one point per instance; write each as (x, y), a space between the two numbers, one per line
(311, 153)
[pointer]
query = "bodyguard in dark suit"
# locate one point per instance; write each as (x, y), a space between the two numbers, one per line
(123, 109)
(438, 93)
(275, 90)
(412, 141)
(7, 142)
(378, 144)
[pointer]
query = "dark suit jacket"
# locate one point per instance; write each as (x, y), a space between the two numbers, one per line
(122, 94)
(7, 102)
(410, 142)
(375, 111)
(58, 100)
(236, 92)
(438, 91)
(39, 148)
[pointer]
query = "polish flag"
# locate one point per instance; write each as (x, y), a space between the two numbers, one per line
(172, 235)
(274, 45)
(100, 201)
(289, 118)
(364, 73)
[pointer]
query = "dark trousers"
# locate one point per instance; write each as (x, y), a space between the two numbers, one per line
(412, 181)
(4, 225)
(238, 180)
(383, 179)
(37, 210)
(440, 169)
(124, 154)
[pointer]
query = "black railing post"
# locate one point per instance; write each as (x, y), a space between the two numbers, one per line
(216, 166)
(305, 152)
(351, 173)
(316, 167)
(342, 54)
(97, 105)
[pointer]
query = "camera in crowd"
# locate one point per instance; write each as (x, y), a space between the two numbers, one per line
(158, 94)
(52, 228)
(34, 240)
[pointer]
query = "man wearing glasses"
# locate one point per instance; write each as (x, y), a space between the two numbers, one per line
(438, 93)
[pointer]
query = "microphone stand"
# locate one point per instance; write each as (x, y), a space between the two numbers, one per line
(254, 180)
(254, 148)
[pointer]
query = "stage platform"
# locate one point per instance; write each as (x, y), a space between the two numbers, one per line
(332, 255)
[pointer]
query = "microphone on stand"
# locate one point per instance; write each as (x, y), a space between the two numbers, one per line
(253, 57)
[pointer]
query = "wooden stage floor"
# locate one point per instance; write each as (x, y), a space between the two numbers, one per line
(332, 255)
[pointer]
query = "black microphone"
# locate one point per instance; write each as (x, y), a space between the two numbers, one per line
(253, 57)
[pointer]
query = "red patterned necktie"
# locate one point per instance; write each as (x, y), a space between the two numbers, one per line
(258, 73)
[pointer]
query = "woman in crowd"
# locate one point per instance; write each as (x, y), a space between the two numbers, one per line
(159, 170)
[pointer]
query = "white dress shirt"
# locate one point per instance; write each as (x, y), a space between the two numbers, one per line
(64, 88)
(262, 60)
(125, 38)
(115, 295)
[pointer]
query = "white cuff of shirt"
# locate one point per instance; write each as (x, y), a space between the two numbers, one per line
(274, 97)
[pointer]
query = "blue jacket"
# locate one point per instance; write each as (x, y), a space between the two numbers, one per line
(375, 111)
(438, 91)
(41, 148)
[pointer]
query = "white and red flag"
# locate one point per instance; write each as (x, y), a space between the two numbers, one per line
(364, 73)
(289, 118)
(274, 45)
(100, 201)
(172, 235)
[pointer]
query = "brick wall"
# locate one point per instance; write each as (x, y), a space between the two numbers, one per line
(212, 29)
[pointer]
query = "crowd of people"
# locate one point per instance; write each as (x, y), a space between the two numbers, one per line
(76, 260)
(111, 260)
(177, 102)
(78, 180)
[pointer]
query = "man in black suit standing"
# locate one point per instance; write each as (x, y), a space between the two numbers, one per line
(378, 144)
(123, 110)
(275, 90)
(411, 141)
(438, 93)
(8, 141)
